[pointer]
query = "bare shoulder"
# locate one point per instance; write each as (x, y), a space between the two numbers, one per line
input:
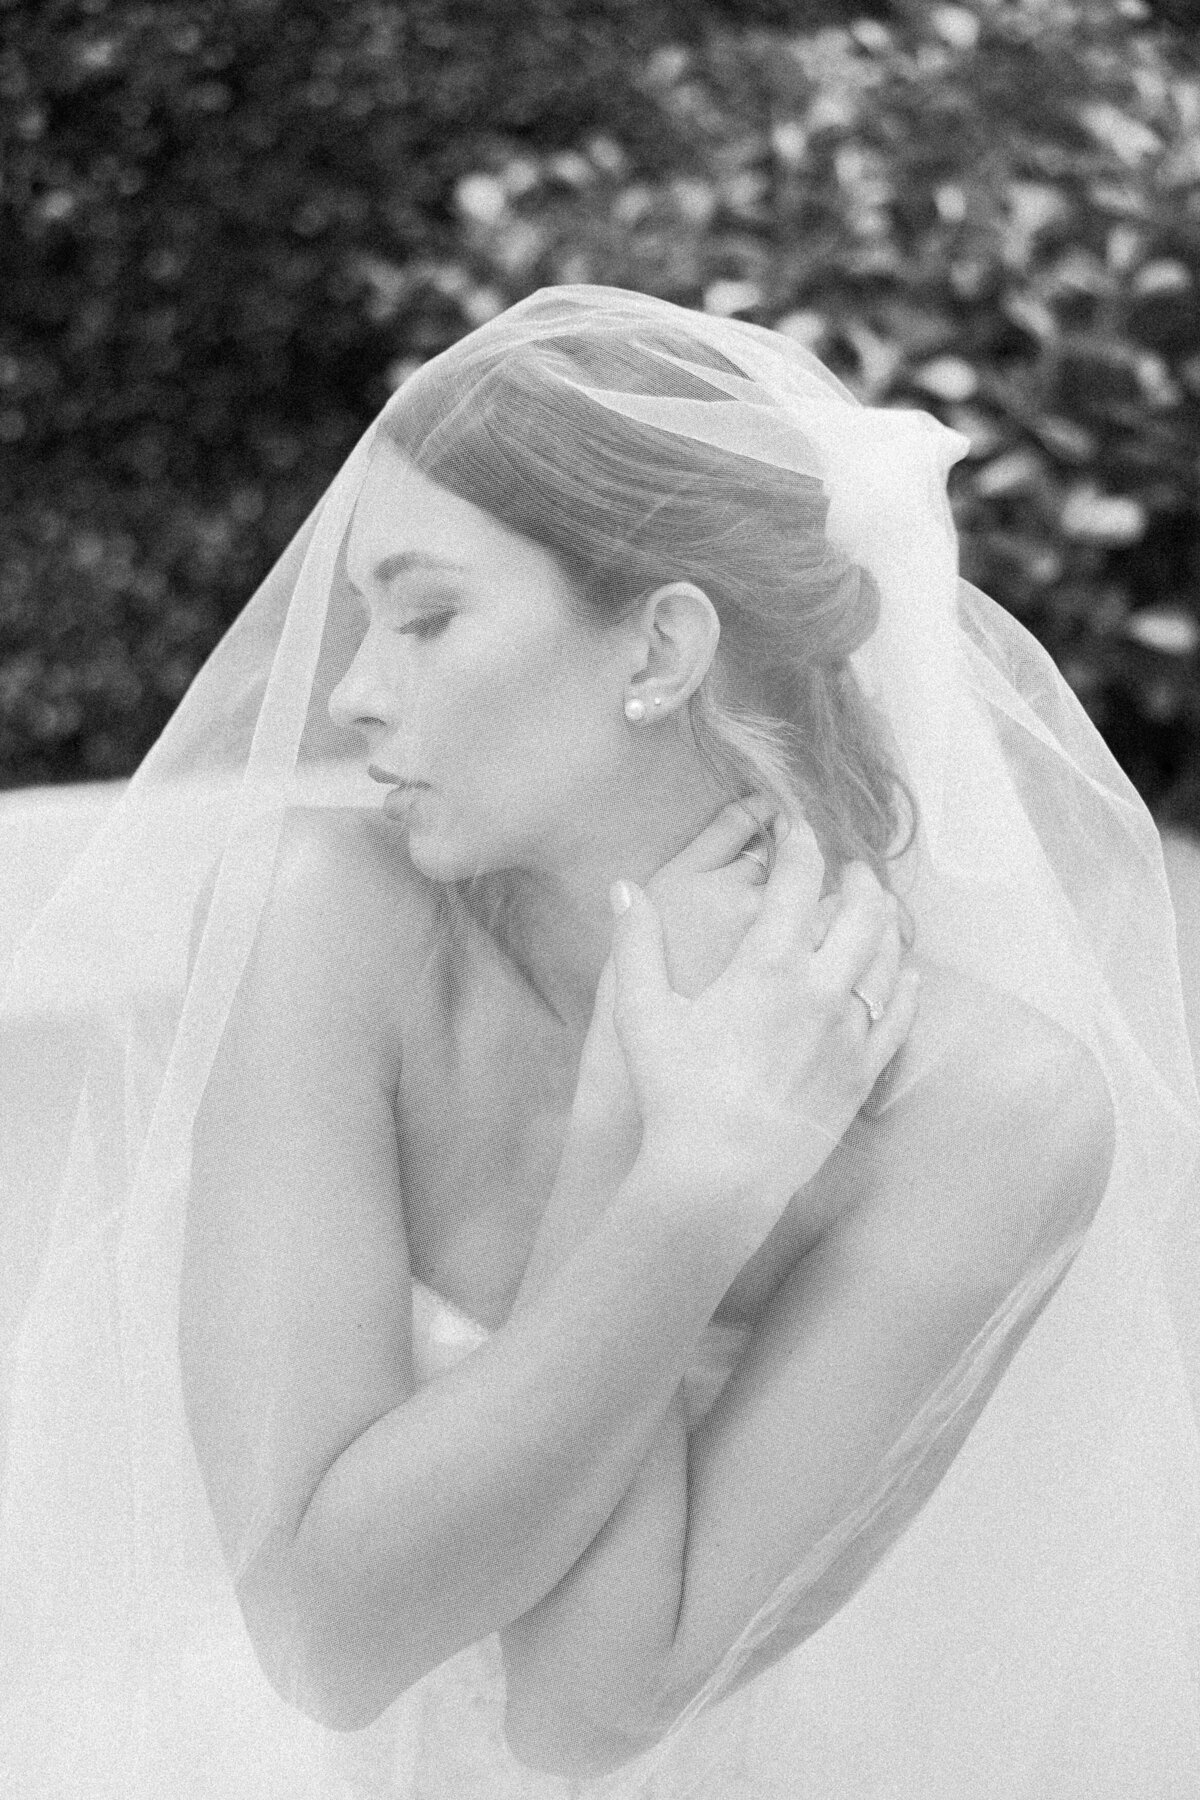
(345, 911)
(343, 859)
(349, 862)
(990, 1041)
(998, 1138)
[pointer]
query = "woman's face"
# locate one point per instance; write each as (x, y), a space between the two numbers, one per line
(474, 680)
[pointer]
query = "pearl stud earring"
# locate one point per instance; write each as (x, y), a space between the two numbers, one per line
(635, 709)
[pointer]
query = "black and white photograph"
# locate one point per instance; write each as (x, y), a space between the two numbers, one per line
(599, 900)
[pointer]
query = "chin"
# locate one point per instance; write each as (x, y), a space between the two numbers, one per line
(440, 859)
(434, 860)
(462, 854)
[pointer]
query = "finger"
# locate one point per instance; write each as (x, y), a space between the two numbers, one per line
(878, 979)
(639, 961)
(606, 987)
(724, 836)
(791, 894)
(856, 933)
(822, 917)
(885, 1038)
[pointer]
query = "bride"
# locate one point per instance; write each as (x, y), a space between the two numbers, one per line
(622, 1272)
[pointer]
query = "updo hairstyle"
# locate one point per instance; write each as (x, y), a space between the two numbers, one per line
(625, 508)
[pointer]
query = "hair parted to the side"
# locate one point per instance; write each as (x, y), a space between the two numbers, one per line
(625, 507)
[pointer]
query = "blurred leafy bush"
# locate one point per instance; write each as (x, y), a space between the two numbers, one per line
(230, 229)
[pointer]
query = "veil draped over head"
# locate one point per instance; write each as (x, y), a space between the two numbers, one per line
(1034, 1628)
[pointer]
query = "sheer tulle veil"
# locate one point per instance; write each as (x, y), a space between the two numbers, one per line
(1057, 1563)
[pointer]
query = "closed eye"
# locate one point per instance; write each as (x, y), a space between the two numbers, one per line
(428, 625)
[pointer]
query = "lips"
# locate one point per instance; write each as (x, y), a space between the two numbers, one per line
(393, 781)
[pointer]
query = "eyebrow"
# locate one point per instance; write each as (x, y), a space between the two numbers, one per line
(400, 562)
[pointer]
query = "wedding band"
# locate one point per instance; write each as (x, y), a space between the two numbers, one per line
(755, 857)
(873, 1007)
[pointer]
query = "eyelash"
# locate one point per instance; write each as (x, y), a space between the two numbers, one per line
(428, 626)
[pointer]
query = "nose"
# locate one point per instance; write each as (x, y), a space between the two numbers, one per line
(362, 700)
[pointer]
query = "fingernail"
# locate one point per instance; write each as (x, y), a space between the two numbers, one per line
(620, 897)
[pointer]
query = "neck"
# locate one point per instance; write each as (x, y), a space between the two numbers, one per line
(554, 924)
(551, 918)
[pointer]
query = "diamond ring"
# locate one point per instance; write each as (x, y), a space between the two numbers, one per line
(872, 1006)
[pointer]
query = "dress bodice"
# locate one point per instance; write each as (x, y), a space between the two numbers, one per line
(443, 1334)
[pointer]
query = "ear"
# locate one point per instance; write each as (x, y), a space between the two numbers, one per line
(676, 631)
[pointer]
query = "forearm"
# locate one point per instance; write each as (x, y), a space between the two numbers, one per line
(458, 1511)
(581, 1663)
(880, 1349)
(580, 1660)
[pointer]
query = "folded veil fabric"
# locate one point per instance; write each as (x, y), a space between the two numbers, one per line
(1032, 1628)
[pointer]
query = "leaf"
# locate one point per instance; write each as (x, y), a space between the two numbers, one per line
(1167, 629)
(1005, 474)
(1130, 138)
(1102, 518)
(1165, 275)
(729, 297)
(949, 377)
(956, 25)
(481, 198)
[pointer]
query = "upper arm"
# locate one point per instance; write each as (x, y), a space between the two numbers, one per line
(987, 1182)
(295, 1312)
(996, 1162)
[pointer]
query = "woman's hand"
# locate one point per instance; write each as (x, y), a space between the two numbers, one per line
(753, 1082)
(709, 894)
(706, 897)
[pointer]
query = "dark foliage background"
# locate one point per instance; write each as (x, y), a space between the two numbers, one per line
(229, 229)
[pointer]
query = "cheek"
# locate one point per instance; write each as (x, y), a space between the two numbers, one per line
(580, 704)
(523, 695)
(517, 728)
